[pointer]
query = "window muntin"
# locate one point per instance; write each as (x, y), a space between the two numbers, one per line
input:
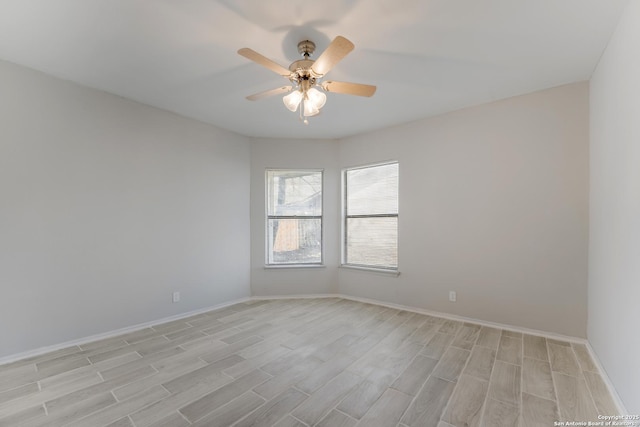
(371, 216)
(294, 217)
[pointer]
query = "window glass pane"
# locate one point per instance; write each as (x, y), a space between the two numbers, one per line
(294, 193)
(372, 190)
(372, 241)
(294, 241)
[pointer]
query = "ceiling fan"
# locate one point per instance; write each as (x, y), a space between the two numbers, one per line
(305, 75)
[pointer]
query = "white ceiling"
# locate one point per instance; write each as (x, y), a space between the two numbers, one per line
(426, 56)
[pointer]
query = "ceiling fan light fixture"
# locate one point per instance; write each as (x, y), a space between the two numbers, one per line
(316, 97)
(314, 100)
(305, 73)
(310, 109)
(292, 101)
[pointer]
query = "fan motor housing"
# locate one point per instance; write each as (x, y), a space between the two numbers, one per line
(301, 70)
(306, 48)
(301, 65)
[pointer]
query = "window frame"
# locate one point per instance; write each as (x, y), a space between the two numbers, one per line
(345, 217)
(268, 217)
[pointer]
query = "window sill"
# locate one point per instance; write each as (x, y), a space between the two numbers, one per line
(382, 271)
(294, 266)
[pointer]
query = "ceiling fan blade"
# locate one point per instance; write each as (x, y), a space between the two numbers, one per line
(349, 88)
(270, 92)
(264, 61)
(338, 49)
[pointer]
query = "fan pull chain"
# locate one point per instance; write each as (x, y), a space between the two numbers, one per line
(302, 118)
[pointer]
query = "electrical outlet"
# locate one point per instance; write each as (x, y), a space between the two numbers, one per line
(176, 297)
(452, 296)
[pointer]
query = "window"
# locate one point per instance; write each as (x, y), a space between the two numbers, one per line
(371, 216)
(294, 217)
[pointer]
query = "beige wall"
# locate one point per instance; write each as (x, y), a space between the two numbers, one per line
(294, 154)
(107, 207)
(614, 247)
(493, 205)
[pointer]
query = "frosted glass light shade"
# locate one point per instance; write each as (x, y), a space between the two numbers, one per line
(318, 98)
(310, 108)
(292, 100)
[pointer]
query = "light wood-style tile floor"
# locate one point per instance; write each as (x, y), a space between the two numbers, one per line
(307, 362)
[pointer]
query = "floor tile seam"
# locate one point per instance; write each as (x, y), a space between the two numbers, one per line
(390, 386)
(457, 385)
(461, 348)
(590, 371)
(575, 355)
(20, 386)
(19, 363)
(107, 351)
(592, 394)
(538, 359)
(521, 383)
(74, 359)
(521, 366)
(555, 389)
(566, 373)
(115, 403)
(405, 409)
(8, 375)
(480, 378)
(519, 403)
(290, 412)
(130, 420)
(6, 406)
(506, 361)
(265, 401)
(446, 406)
(293, 386)
(170, 331)
(299, 420)
(248, 336)
(441, 359)
(245, 416)
(118, 400)
(543, 398)
(99, 371)
(486, 346)
(263, 371)
(345, 414)
(16, 412)
(483, 406)
(554, 401)
(249, 312)
(520, 400)
(79, 368)
(220, 335)
(141, 341)
(194, 399)
(344, 396)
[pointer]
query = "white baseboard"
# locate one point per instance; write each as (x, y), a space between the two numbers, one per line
(85, 340)
(300, 296)
(469, 320)
(621, 408)
(614, 393)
